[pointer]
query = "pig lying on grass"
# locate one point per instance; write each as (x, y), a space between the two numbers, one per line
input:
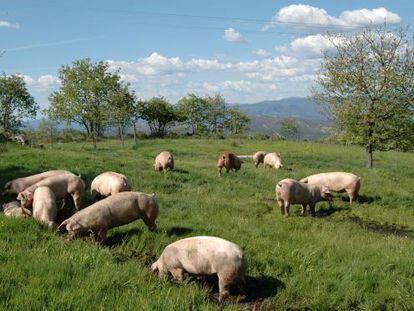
(44, 206)
(108, 183)
(13, 209)
(116, 210)
(289, 191)
(164, 161)
(16, 186)
(204, 256)
(338, 182)
(61, 185)
(273, 160)
(229, 161)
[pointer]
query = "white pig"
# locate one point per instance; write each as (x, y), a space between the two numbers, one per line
(13, 209)
(258, 158)
(108, 183)
(116, 210)
(164, 161)
(204, 256)
(44, 206)
(61, 185)
(289, 191)
(338, 182)
(16, 186)
(273, 160)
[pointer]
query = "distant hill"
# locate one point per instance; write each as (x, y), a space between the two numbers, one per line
(298, 107)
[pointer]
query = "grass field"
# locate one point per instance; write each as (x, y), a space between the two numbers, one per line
(359, 257)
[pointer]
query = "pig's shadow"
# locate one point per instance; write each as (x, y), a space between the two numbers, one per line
(178, 231)
(118, 238)
(326, 212)
(365, 199)
(180, 171)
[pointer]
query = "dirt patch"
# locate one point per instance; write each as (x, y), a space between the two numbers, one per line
(387, 229)
(145, 259)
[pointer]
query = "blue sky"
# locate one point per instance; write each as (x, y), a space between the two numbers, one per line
(246, 50)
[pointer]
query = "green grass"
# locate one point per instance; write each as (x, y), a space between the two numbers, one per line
(348, 258)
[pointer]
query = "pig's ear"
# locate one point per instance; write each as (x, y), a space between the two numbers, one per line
(152, 194)
(7, 186)
(20, 196)
(278, 154)
(73, 226)
(154, 267)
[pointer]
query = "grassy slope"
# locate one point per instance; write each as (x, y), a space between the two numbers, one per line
(321, 263)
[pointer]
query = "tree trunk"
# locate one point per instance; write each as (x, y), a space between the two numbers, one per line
(94, 136)
(121, 133)
(370, 159)
(135, 134)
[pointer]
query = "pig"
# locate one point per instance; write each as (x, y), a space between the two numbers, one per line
(116, 210)
(164, 161)
(44, 205)
(289, 191)
(15, 186)
(229, 161)
(108, 183)
(258, 158)
(337, 182)
(13, 209)
(61, 185)
(204, 256)
(273, 160)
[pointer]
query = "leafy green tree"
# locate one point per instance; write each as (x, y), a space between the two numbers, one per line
(121, 109)
(85, 94)
(159, 114)
(216, 112)
(16, 103)
(366, 86)
(193, 110)
(236, 121)
(288, 128)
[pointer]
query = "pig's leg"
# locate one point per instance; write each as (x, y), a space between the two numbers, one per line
(286, 206)
(225, 280)
(303, 209)
(281, 204)
(101, 235)
(312, 209)
(352, 195)
(219, 171)
(178, 274)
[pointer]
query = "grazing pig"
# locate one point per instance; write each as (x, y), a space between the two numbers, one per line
(13, 209)
(61, 185)
(116, 210)
(108, 183)
(164, 161)
(229, 161)
(44, 205)
(273, 160)
(16, 186)
(338, 182)
(258, 158)
(204, 256)
(289, 191)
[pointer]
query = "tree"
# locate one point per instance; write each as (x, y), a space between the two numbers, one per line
(193, 110)
(121, 109)
(16, 103)
(85, 94)
(159, 114)
(47, 128)
(288, 128)
(236, 121)
(366, 86)
(216, 110)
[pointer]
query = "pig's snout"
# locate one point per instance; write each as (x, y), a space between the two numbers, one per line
(152, 227)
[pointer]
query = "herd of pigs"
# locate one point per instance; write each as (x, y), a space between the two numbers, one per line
(114, 204)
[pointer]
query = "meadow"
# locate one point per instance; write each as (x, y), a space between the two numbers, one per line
(348, 257)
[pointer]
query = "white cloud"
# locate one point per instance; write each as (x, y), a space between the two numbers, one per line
(262, 53)
(43, 83)
(301, 15)
(313, 46)
(231, 35)
(7, 24)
